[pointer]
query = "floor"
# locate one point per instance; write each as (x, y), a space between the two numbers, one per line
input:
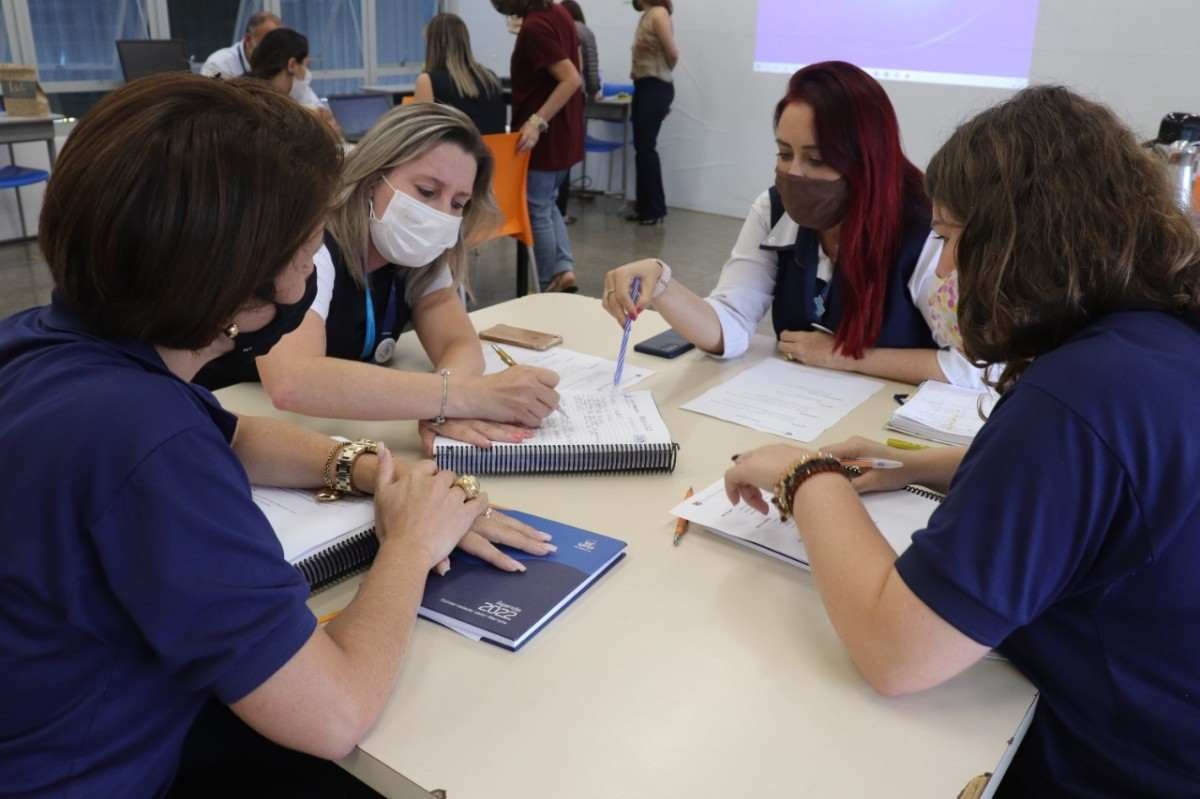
(695, 244)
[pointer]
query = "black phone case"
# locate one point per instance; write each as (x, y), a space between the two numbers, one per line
(665, 345)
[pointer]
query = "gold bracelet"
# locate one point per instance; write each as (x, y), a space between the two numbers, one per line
(797, 473)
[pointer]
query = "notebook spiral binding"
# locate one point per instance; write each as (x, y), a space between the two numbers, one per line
(340, 560)
(560, 459)
(925, 493)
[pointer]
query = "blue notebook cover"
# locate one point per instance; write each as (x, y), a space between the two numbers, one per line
(508, 609)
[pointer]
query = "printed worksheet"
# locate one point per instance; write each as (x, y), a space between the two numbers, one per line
(785, 398)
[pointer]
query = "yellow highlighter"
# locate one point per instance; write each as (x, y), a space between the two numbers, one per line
(900, 443)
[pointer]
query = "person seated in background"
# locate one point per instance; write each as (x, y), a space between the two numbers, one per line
(453, 77)
(829, 250)
(1069, 539)
(414, 193)
(233, 62)
(281, 59)
(141, 582)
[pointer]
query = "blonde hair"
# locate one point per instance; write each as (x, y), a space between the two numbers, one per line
(448, 47)
(404, 134)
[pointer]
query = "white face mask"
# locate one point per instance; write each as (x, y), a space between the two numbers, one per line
(411, 233)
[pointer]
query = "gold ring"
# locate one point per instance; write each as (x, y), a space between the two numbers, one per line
(609, 291)
(789, 356)
(469, 483)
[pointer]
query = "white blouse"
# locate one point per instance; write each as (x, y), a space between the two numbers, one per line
(746, 288)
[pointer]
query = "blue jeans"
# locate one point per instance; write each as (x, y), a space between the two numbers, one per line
(551, 247)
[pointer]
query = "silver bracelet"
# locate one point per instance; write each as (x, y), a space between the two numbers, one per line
(440, 419)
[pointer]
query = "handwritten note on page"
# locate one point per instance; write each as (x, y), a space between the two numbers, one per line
(608, 416)
(577, 371)
(786, 399)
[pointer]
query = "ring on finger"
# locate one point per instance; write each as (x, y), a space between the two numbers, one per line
(487, 514)
(789, 356)
(469, 483)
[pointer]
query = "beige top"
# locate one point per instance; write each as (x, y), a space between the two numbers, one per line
(649, 55)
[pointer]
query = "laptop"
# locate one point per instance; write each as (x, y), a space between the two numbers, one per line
(142, 57)
(356, 113)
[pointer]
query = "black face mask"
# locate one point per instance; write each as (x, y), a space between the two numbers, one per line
(287, 318)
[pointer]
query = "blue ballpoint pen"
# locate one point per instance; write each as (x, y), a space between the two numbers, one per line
(634, 290)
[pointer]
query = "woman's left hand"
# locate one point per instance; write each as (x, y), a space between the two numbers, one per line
(497, 528)
(476, 432)
(760, 470)
(530, 134)
(813, 348)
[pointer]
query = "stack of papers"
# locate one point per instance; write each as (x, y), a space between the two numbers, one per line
(943, 413)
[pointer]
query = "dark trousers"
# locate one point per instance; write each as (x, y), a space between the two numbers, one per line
(651, 104)
(224, 757)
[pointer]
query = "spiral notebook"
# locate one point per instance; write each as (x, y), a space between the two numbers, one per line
(898, 514)
(325, 541)
(605, 431)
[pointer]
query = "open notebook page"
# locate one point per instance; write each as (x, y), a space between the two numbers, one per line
(577, 371)
(898, 514)
(608, 416)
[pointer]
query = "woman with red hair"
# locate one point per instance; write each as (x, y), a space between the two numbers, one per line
(830, 249)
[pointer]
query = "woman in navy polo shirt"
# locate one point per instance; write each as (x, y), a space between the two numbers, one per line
(831, 247)
(138, 580)
(1069, 539)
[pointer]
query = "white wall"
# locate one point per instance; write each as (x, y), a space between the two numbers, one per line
(1142, 58)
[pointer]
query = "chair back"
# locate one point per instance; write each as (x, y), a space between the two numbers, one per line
(509, 185)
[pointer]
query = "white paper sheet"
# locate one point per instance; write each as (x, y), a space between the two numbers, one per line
(577, 371)
(607, 416)
(898, 514)
(786, 399)
(304, 525)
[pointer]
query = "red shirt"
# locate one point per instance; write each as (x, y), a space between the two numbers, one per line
(547, 36)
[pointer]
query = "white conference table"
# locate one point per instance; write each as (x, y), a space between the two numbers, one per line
(703, 670)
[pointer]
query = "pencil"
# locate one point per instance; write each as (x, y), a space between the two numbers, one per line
(900, 443)
(681, 525)
(328, 617)
(504, 356)
(510, 361)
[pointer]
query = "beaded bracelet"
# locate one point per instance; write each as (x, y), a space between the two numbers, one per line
(797, 473)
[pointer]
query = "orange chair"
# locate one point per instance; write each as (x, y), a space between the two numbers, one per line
(509, 186)
(408, 100)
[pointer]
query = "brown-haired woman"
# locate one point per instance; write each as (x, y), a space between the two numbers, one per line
(655, 56)
(140, 581)
(547, 108)
(453, 77)
(1070, 537)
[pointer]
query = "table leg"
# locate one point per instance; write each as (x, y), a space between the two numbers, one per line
(51, 149)
(625, 155)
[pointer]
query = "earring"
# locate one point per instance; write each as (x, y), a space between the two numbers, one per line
(232, 331)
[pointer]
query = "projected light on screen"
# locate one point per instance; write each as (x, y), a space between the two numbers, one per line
(963, 42)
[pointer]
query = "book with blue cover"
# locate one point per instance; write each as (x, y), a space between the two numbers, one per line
(508, 609)
(328, 542)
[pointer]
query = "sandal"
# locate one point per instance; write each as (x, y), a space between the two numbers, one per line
(563, 282)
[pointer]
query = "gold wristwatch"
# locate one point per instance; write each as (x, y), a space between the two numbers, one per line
(339, 482)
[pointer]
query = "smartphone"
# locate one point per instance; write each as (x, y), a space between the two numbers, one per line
(665, 345)
(520, 337)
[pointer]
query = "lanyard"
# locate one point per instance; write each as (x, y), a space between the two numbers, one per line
(389, 320)
(820, 298)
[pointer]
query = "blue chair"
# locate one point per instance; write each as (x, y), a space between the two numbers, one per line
(14, 177)
(591, 144)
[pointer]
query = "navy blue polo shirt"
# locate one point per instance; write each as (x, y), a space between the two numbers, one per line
(1070, 541)
(137, 577)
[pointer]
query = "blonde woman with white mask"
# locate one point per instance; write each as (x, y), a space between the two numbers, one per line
(413, 193)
